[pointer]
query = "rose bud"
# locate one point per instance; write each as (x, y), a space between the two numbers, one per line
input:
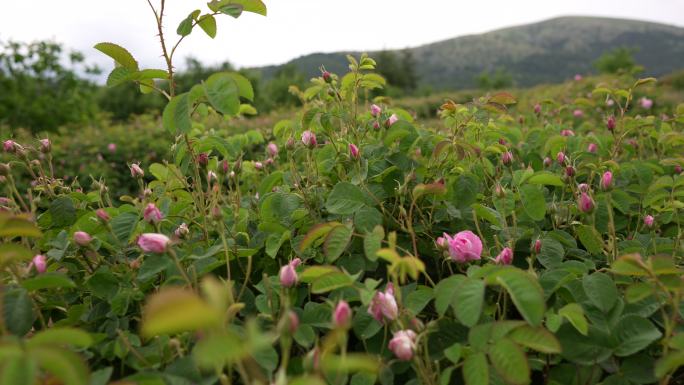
(678, 169)
(648, 221)
(567, 133)
(391, 120)
(40, 263)
(578, 113)
(309, 139)
(537, 246)
(578, 77)
(182, 231)
(592, 147)
(376, 125)
(272, 149)
(224, 167)
(583, 187)
(507, 158)
(153, 243)
(102, 215)
(111, 147)
(610, 123)
(560, 158)
(45, 146)
(342, 315)
(606, 180)
(10, 146)
(570, 171)
(290, 144)
(151, 214)
(585, 204)
(203, 159)
(403, 344)
(375, 110)
(136, 171)
(505, 257)
(646, 103)
(327, 76)
(383, 306)
(537, 108)
(258, 165)
(288, 274)
(353, 151)
(547, 162)
(82, 238)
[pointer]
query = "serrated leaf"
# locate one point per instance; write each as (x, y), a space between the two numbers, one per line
(223, 93)
(445, 291)
(345, 199)
(476, 370)
(536, 338)
(574, 313)
(176, 116)
(316, 232)
(468, 301)
(634, 333)
(525, 292)
(372, 242)
(208, 25)
(510, 361)
(336, 242)
(120, 55)
(545, 178)
(533, 202)
(590, 238)
(17, 311)
(330, 281)
(601, 290)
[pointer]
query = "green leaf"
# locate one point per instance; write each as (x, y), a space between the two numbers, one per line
(453, 353)
(254, 6)
(590, 238)
(17, 311)
(536, 338)
(219, 350)
(312, 273)
(331, 281)
(18, 371)
(50, 280)
(175, 310)
(364, 325)
(63, 212)
(574, 313)
(336, 242)
(118, 75)
(61, 336)
(669, 363)
(345, 199)
(601, 290)
(123, 225)
(120, 55)
(445, 291)
(61, 363)
(510, 361)
(468, 301)
(208, 25)
(634, 333)
(551, 253)
(546, 178)
(583, 350)
(223, 93)
(245, 89)
(316, 232)
(418, 299)
(533, 201)
(476, 370)
(185, 26)
(10, 252)
(526, 293)
(372, 242)
(176, 116)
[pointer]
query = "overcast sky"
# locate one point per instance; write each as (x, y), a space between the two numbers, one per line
(296, 27)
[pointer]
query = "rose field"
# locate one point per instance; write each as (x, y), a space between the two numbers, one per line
(509, 236)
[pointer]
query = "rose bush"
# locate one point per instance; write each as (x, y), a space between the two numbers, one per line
(350, 244)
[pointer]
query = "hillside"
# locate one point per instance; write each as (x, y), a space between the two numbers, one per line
(548, 51)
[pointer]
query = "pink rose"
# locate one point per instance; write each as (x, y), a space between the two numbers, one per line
(464, 246)
(342, 315)
(384, 305)
(40, 263)
(585, 204)
(309, 139)
(606, 180)
(288, 274)
(392, 119)
(136, 171)
(82, 238)
(152, 214)
(354, 151)
(375, 110)
(505, 257)
(272, 149)
(153, 243)
(648, 221)
(403, 344)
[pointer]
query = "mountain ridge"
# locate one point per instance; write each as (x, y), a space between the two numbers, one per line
(542, 52)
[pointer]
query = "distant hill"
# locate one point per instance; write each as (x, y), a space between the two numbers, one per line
(544, 52)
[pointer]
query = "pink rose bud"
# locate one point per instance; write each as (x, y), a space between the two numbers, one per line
(583, 187)
(578, 77)
(375, 110)
(327, 76)
(505, 257)
(567, 133)
(104, 217)
(342, 315)
(353, 151)
(45, 146)
(464, 246)
(292, 321)
(211, 176)
(203, 159)
(537, 246)
(309, 139)
(182, 231)
(40, 263)
(111, 147)
(578, 113)
(441, 243)
(153, 243)
(376, 125)
(151, 214)
(606, 180)
(258, 165)
(82, 238)
(290, 143)
(288, 274)
(499, 190)
(136, 171)
(507, 158)
(648, 221)
(678, 169)
(403, 344)
(560, 157)
(646, 103)
(592, 147)
(383, 306)
(585, 204)
(610, 102)
(537, 108)
(269, 161)
(223, 167)
(391, 120)
(547, 162)
(9, 146)
(272, 149)
(570, 171)
(610, 123)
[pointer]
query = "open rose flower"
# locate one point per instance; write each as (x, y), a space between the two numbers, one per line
(153, 243)
(464, 246)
